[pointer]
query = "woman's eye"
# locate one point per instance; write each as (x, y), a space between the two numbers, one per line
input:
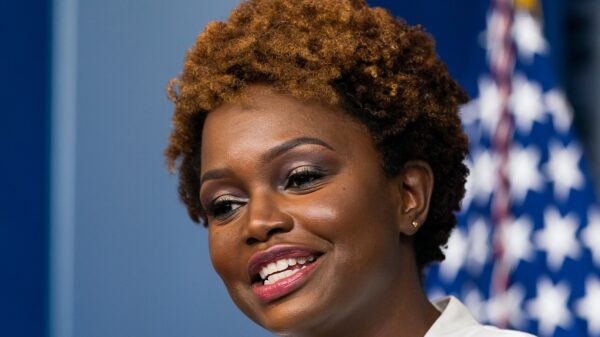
(224, 206)
(303, 177)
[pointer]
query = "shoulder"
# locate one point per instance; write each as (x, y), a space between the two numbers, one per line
(456, 321)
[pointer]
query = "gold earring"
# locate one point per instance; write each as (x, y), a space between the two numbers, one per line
(415, 224)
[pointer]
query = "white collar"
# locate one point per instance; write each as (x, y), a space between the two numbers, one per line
(454, 316)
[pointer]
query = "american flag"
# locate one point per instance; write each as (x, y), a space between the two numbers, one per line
(526, 252)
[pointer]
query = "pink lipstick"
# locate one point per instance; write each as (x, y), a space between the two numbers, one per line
(280, 270)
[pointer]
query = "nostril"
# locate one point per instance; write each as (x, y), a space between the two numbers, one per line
(259, 238)
(274, 231)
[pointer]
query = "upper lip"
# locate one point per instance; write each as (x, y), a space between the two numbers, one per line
(272, 254)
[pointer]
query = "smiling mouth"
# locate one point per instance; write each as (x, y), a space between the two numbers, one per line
(284, 268)
(283, 276)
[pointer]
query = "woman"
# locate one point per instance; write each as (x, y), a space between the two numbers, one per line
(320, 143)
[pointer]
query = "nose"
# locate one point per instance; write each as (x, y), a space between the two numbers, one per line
(265, 219)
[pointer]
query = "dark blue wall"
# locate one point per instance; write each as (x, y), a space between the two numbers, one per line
(24, 127)
(455, 25)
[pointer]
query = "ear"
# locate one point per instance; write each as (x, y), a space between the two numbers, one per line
(415, 185)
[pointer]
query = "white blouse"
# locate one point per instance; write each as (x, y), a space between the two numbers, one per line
(456, 321)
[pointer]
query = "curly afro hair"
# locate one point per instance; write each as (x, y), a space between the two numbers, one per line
(381, 71)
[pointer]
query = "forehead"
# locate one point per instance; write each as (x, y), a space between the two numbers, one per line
(263, 119)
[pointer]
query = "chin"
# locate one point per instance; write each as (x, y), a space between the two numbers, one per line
(296, 317)
(300, 313)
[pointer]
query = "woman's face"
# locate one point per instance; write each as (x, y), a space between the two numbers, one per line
(303, 224)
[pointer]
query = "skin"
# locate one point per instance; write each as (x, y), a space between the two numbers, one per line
(332, 197)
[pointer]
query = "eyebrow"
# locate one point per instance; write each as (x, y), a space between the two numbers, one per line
(214, 174)
(290, 144)
(269, 155)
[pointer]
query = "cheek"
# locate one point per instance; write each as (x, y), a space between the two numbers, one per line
(222, 252)
(227, 260)
(349, 211)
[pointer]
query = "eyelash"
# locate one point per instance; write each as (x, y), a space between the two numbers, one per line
(217, 207)
(312, 174)
(301, 178)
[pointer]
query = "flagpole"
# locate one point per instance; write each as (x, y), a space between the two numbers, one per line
(502, 65)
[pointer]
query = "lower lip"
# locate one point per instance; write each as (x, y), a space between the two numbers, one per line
(271, 292)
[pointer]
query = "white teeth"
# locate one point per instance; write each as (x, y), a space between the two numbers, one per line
(271, 268)
(282, 265)
(278, 276)
(277, 270)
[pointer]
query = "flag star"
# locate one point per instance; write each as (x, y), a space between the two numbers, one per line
(549, 308)
(469, 112)
(490, 104)
(466, 201)
(590, 235)
(526, 103)
(589, 306)
(483, 176)
(527, 33)
(558, 237)
(563, 168)
(471, 121)
(506, 307)
(479, 244)
(515, 236)
(493, 42)
(559, 108)
(455, 255)
(523, 172)
(476, 303)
